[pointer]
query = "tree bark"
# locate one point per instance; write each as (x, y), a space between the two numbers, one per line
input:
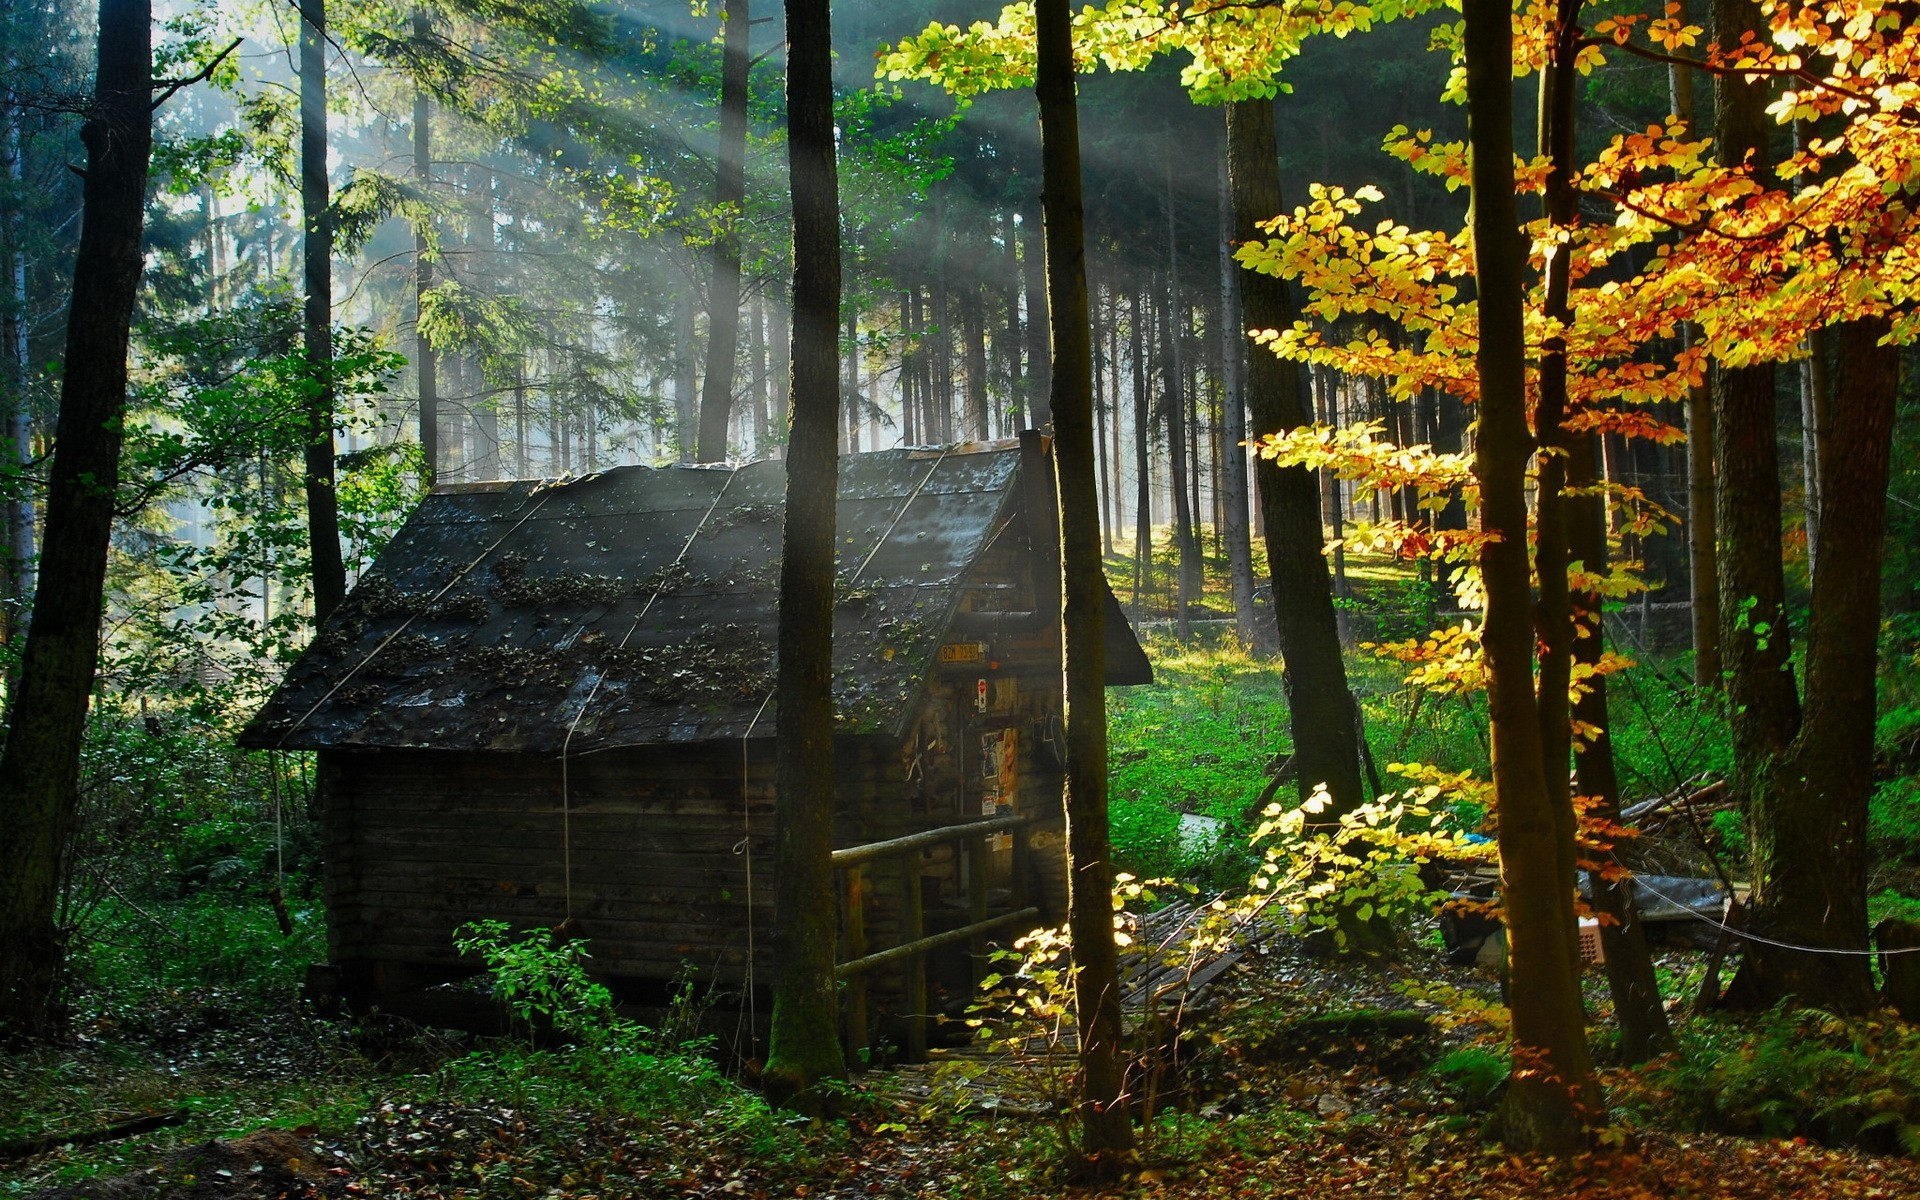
(1553, 611)
(1807, 815)
(1234, 417)
(1551, 1096)
(323, 500)
(1322, 714)
(1039, 366)
(1174, 414)
(686, 363)
(1635, 989)
(1142, 461)
(805, 1047)
(973, 329)
(1106, 1129)
(1573, 529)
(39, 769)
(1755, 647)
(17, 593)
(729, 198)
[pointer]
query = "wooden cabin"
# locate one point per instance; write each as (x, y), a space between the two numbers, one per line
(551, 701)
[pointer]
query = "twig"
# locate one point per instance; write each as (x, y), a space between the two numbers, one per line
(204, 73)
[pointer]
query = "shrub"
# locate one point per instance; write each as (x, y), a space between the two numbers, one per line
(607, 1063)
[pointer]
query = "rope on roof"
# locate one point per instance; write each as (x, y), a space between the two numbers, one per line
(543, 494)
(566, 800)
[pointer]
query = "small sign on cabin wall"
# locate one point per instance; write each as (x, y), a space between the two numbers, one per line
(963, 652)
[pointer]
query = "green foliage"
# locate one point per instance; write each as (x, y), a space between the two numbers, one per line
(609, 1063)
(1473, 1073)
(179, 842)
(1788, 1073)
(1331, 877)
(1893, 820)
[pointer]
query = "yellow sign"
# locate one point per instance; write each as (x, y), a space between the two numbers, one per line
(954, 652)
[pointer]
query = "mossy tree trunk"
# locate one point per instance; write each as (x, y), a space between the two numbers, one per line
(39, 770)
(1106, 1127)
(805, 1045)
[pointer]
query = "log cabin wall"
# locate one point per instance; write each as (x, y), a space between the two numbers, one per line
(420, 842)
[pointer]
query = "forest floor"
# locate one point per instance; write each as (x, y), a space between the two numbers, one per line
(1305, 1077)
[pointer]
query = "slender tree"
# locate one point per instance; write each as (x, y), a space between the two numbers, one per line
(805, 1045)
(1106, 1129)
(39, 769)
(425, 358)
(1552, 1096)
(729, 197)
(1321, 710)
(323, 502)
(1233, 407)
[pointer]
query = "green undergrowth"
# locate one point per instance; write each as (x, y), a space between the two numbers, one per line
(1786, 1073)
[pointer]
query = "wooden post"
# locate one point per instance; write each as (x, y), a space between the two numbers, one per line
(916, 928)
(977, 862)
(855, 898)
(1022, 864)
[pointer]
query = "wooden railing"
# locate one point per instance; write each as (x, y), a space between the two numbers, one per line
(853, 862)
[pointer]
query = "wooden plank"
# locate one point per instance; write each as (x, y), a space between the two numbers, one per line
(928, 837)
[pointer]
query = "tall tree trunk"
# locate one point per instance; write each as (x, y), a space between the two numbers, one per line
(1553, 611)
(425, 360)
(1233, 410)
(1635, 989)
(1572, 525)
(1039, 366)
(686, 416)
(1101, 399)
(323, 501)
(1322, 714)
(1551, 1094)
(1703, 564)
(779, 343)
(1142, 461)
(1016, 383)
(1174, 412)
(1770, 772)
(39, 769)
(805, 1046)
(1105, 1127)
(17, 593)
(757, 364)
(1807, 814)
(973, 329)
(729, 198)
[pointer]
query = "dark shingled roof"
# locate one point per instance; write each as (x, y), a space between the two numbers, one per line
(636, 607)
